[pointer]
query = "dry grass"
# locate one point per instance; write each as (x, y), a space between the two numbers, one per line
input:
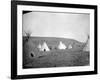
(54, 58)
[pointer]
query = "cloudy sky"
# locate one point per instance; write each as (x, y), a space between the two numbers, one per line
(66, 25)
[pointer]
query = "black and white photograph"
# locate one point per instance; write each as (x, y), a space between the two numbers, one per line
(53, 39)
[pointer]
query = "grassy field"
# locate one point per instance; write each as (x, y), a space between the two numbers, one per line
(33, 58)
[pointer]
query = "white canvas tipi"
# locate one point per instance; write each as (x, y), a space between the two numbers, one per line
(61, 45)
(44, 47)
(39, 47)
(70, 46)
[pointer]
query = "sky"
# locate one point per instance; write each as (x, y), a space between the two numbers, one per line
(50, 24)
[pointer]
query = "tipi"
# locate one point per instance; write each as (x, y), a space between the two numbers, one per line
(70, 46)
(44, 47)
(39, 47)
(61, 45)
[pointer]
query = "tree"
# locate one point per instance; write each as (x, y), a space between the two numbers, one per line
(87, 45)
